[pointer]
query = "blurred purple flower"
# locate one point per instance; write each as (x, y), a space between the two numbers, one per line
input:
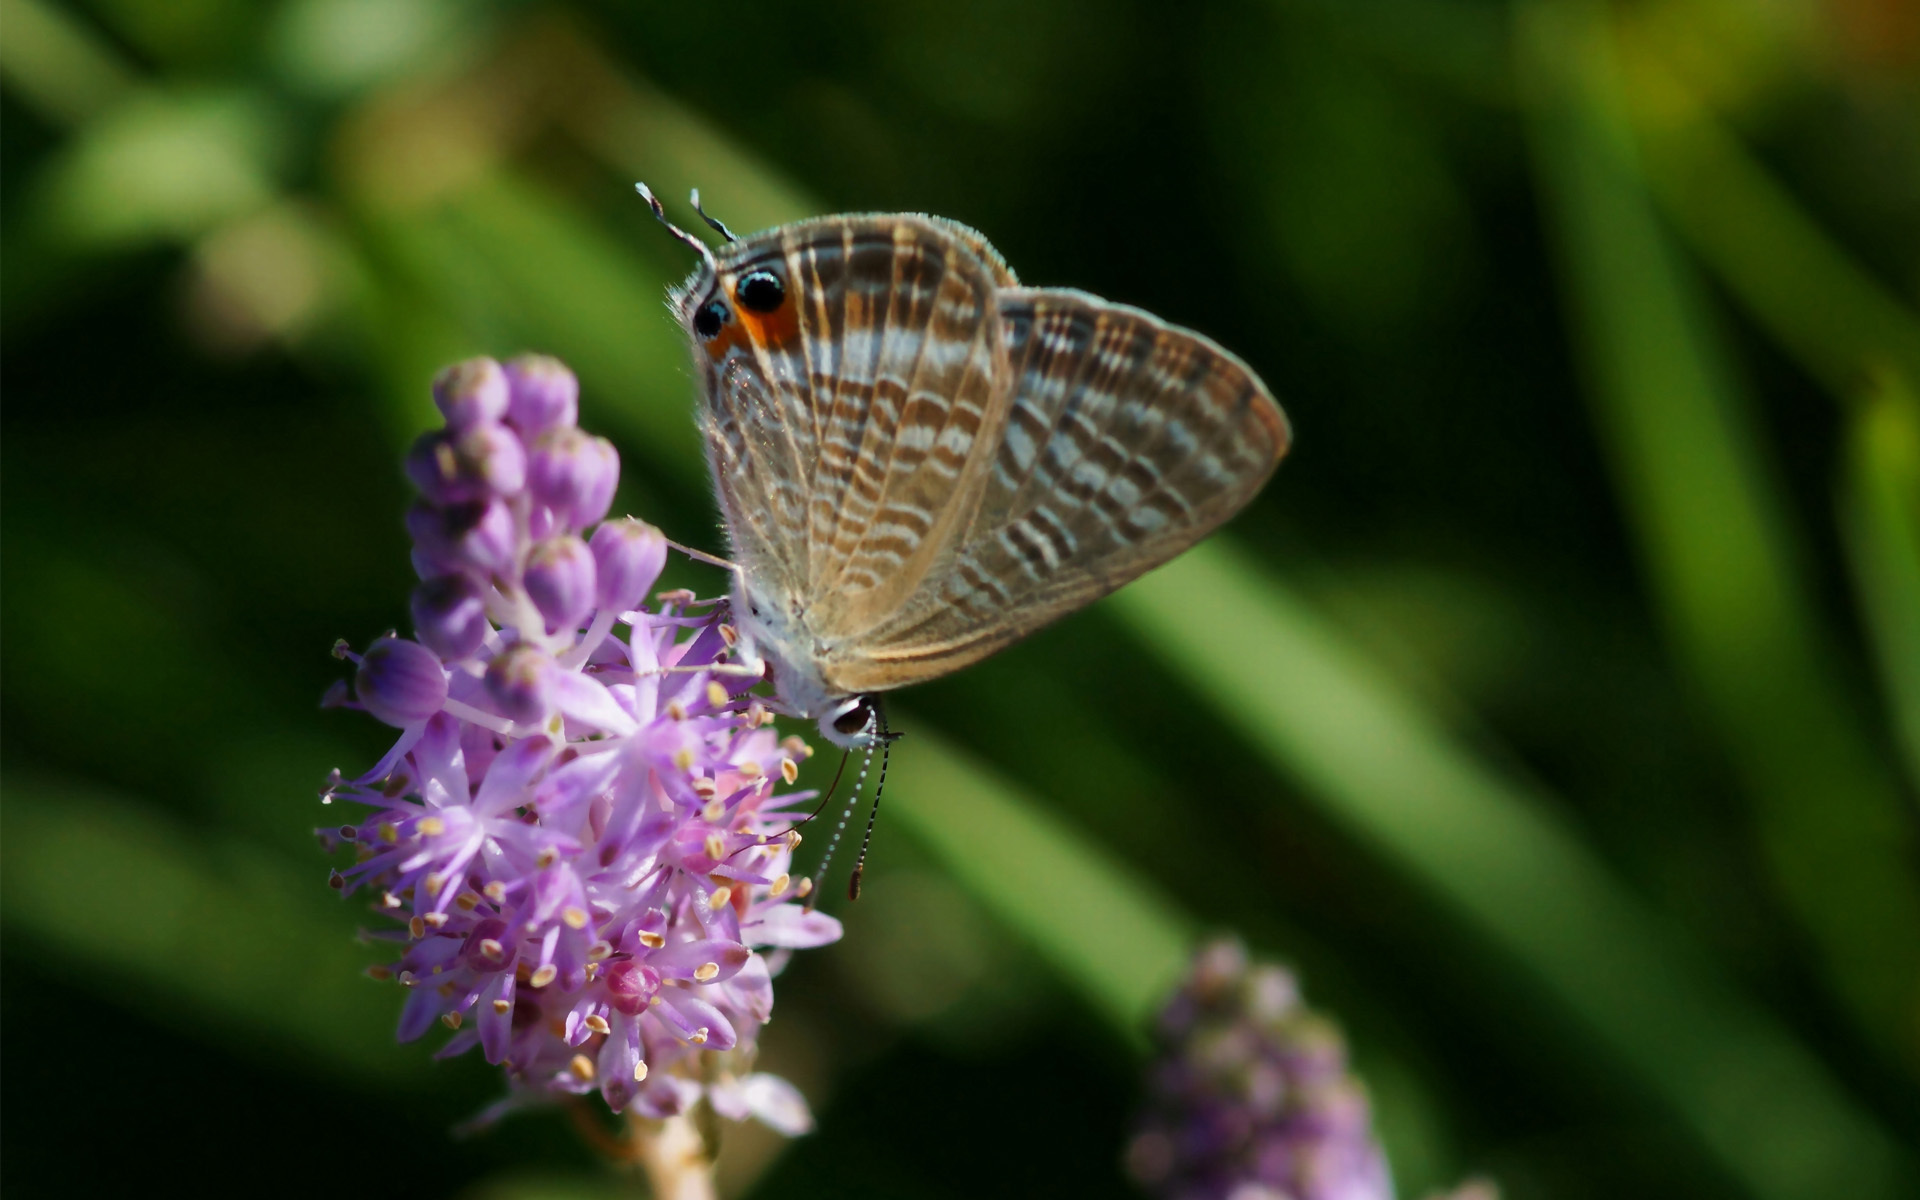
(1249, 1098)
(583, 858)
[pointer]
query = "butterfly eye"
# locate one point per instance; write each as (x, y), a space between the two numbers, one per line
(712, 315)
(761, 291)
(856, 719)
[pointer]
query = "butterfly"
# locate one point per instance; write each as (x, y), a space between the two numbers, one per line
(920, 461)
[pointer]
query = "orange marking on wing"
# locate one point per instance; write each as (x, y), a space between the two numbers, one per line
(732, 336)
(775, 329)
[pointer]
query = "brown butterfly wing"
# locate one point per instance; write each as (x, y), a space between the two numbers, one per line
(1125, 441)
(841, 427)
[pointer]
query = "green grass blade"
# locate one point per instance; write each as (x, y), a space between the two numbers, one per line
(215, 932)
(1881, 517)
(1792, 277)
(1115, 939)
(1379, 764)
(1718, 551)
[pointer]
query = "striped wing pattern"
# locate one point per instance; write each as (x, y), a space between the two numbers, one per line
(842, 432)
(924, 461)
(1126, 441)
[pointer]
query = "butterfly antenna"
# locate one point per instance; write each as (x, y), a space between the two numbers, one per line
(718, 228)
(853, 801)
(660, 212)
(824, 800)
(873, 814)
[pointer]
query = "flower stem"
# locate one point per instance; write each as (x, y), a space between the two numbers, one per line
(675, 1158)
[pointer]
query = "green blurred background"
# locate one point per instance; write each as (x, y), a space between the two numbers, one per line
(1556, 711)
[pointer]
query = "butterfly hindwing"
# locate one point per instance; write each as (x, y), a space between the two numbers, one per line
(1125, 441)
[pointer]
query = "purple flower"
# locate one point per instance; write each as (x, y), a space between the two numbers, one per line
(1250, 1098)
(582, 856)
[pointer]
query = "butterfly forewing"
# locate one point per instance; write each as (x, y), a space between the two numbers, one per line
(1125, 441)
(842, 426)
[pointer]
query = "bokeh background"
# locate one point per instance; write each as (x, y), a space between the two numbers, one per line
(1556, 711)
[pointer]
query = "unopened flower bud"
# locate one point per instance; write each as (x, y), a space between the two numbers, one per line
(464, 537)
(519, 683)
(574, 474)
(472, 465)
(629, 554)
(543, 394)
(471, 393)
(560, 580)
(630, 985)
(400, 682)
(450, 616)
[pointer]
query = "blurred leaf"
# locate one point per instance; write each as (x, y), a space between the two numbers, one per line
(336, 47)
(513, 269)
(58, 66)
(211, 929)
(1719, 552)
(1121, 944)
(1457, 42)
(1833, 317)
(1381, 766)
(1881, 516)
(164, 165)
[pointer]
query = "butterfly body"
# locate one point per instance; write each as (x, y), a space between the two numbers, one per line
(919, 461)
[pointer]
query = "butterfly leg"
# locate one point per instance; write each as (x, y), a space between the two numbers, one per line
(739, 670)
(703, 556)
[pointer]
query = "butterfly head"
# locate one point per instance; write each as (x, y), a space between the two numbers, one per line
(854, 722)
(739, 305)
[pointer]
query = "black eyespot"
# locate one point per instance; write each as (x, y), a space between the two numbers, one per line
(761, 291)
(854, 719)
(712, 315)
